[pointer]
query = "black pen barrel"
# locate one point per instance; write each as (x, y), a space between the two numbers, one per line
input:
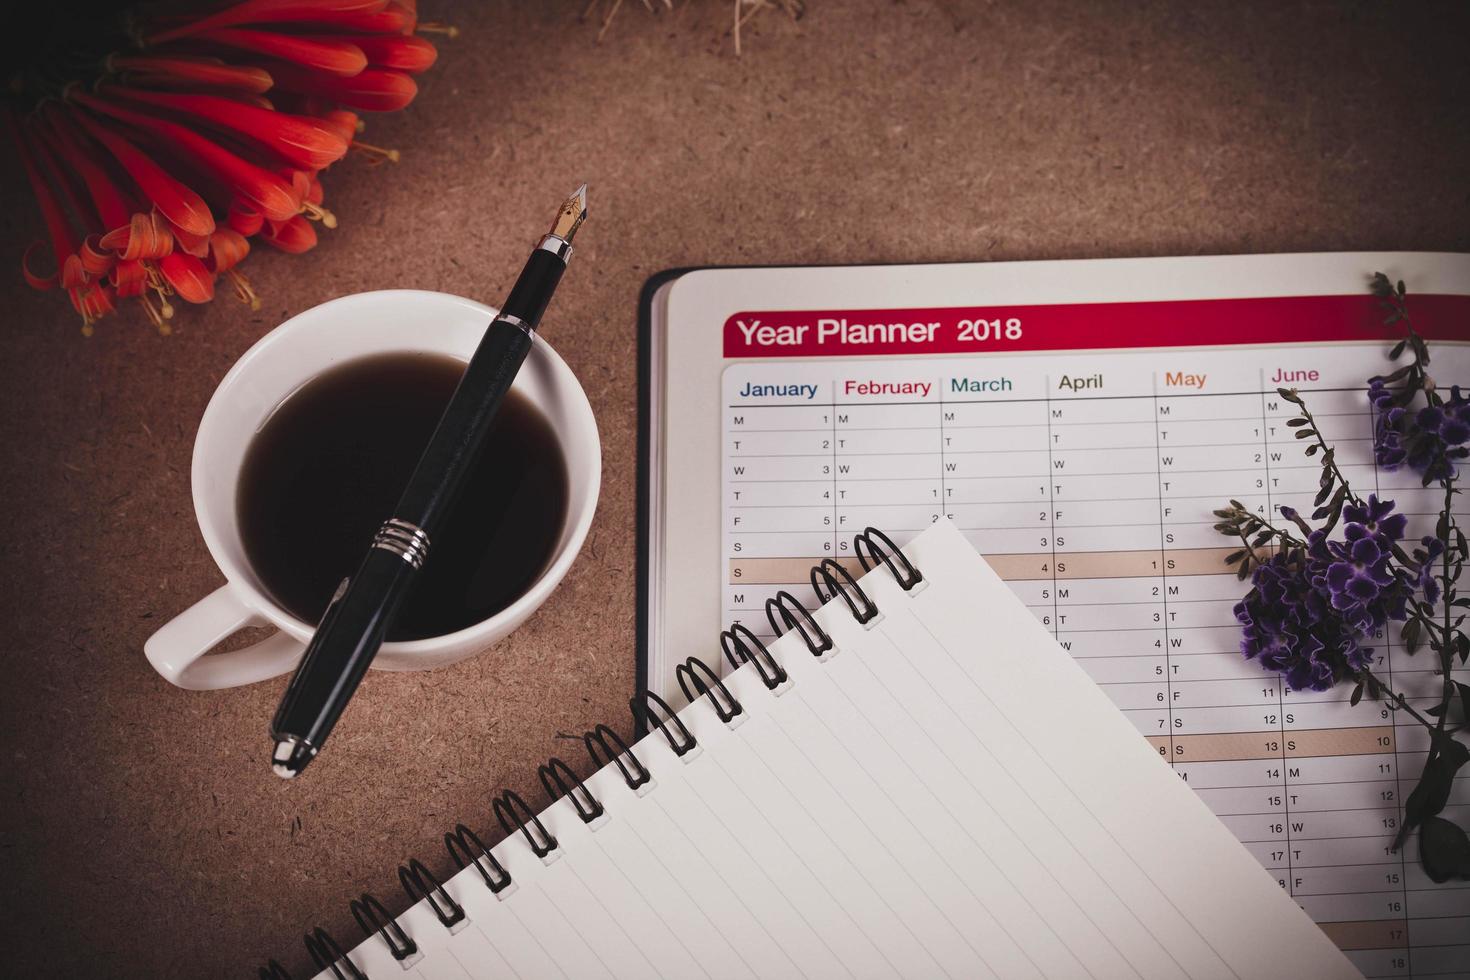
(355, 625)
(360, 615)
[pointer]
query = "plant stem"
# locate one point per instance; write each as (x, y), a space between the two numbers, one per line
(1285, 536)
(1329, 455)
(1401, 702)
(1446, 653)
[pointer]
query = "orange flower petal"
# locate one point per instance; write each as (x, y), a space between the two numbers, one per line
(195, 245)
(146, 236)
(188, 276)
(343, 122)
(302, 140)
(190, 71)
(264, 189)
(338, 56)
(408, 10)
(296, 235)
(371, 90)
(177, 202)
(114, 207)
(244, 219)
(401, 52)
(130, 277)
(94, 258)
(73, 275)
(93, 301)
(227, 248)
(265, 12)
(32, 279)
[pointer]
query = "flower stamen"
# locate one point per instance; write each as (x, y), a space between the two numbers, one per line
(375, 154)
(244, 291)
(315, 212)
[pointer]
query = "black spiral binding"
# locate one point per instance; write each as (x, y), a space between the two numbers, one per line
(884, 550)
(784, 613)
(419, 883)
(497, 879)
(327, 955)
(698, 675)
(696, 678)
(743, 646)
(505, 807)
(642, 715)
(635, 776)
(556, 786)
(839, 581)
(373, 918)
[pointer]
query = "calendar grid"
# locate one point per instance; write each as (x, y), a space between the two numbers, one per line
(1122, 565)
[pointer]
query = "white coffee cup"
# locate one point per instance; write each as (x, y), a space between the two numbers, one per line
(281, 362)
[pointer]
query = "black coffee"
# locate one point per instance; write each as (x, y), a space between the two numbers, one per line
(330, 463)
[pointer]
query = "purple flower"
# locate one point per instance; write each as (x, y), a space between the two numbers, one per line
(1428, 441)
(1376, 517)
(1425, 580)
(1291, 630)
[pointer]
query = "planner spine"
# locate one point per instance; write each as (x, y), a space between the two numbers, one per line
(696, 679)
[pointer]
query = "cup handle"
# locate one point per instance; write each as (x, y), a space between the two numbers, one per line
(177, 650)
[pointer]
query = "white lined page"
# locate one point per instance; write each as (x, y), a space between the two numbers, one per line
(948, 795)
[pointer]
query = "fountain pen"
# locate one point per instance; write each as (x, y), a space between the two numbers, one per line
(366, 604)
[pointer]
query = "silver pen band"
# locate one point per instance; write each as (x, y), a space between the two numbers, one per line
(557, 246)
(516, 322)
(407, 541)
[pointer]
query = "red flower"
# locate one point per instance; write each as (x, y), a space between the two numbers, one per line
(190, 71)
(402, 52)
(174, 199)
(301, 140)
(336, 56)
(153, 174)
(266, 12)
(372, 89)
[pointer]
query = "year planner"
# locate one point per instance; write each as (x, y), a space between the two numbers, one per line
(1078, 422)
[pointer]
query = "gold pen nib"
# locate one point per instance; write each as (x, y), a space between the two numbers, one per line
(573, 212)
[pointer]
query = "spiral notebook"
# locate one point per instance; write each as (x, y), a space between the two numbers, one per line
(913, 781)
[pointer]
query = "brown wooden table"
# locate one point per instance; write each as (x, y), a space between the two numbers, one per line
(143, 833)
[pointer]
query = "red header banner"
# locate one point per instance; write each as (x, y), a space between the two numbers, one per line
(1086, 326)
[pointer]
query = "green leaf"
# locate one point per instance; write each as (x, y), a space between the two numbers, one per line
(1464, 690)
(1312, 449)
(1234, 556)
(1290, 395)
(1296, 423)
(1433, 791)
(1398, 349)
(1410, 635)
(1444, 850)
(1375, 689)
(1306, 433)
(1357, 694)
